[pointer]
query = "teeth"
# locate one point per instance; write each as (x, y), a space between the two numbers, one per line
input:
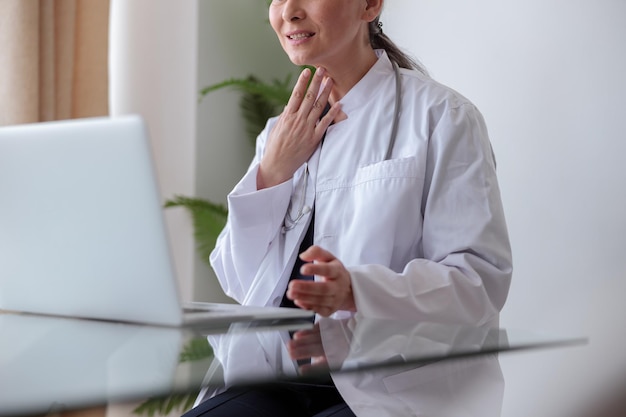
(299, 36)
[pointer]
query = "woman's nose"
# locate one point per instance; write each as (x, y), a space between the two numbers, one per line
(293, 11)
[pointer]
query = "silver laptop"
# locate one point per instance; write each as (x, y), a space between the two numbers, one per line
(82, 231)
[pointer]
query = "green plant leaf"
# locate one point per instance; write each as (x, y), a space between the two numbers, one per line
(275, 93)
(208, 221)
(196, 349)
(256, 109)
(259, 101)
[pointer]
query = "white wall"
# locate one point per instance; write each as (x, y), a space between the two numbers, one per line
(153, 66)
(549, 77)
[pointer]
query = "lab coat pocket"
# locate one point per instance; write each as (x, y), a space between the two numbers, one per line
(387, 197)
(389, 169)
(397, 184)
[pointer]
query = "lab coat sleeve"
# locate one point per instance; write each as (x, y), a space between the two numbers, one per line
(254, 220)
(464, 274)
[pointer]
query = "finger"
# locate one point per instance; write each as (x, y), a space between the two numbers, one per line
(313, 334)
(328, 119)
(302, 288)
(301, 351)
(304, 348)
(299, 91)
(317, 97)
(324, 308)
(324, 311)
(310, 104)
(316, 302)
(316, 253)
(322, 99)
(328, 270)
(320, 304)
(317, 293)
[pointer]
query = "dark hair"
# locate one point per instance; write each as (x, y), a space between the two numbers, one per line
(379, 40)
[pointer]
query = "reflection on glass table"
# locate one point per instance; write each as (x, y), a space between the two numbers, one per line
(380, 367)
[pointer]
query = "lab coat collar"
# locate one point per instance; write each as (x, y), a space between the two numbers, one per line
(367, 86)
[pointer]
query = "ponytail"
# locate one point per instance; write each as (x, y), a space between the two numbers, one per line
(379, 40)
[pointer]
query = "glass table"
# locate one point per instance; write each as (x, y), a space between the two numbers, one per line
(51, 364)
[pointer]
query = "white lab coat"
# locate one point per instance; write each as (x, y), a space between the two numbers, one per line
(356, 351)
(471, 386)
(423, 234)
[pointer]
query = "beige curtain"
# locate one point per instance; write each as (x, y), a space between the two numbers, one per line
(53, 59)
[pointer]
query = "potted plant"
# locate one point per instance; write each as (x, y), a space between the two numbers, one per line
(259, 102)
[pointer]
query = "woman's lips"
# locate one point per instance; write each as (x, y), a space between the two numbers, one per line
(298, 37)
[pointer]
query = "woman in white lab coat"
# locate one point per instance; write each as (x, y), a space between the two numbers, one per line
(404, 219)
(420, 234)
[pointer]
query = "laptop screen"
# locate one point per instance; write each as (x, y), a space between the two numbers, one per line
(81, 226)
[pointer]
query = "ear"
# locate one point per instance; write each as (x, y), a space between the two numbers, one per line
(372, 10)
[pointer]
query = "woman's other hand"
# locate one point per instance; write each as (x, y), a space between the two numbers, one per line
(299, 130)
(333, 289)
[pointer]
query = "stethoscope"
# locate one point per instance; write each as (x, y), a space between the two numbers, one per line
(291, 222)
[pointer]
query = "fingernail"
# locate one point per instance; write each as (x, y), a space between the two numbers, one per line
(320, 71)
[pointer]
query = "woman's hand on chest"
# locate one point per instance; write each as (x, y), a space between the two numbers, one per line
(298, 131)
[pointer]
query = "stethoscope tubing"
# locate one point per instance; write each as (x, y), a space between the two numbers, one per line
(396, 111)
(289, 222)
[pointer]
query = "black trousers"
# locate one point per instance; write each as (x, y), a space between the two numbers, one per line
(276, 400)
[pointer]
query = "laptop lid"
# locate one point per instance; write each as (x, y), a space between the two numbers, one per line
(81, 226)
(82, 232)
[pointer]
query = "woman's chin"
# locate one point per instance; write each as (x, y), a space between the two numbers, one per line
(299, 62)
(299, 59)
